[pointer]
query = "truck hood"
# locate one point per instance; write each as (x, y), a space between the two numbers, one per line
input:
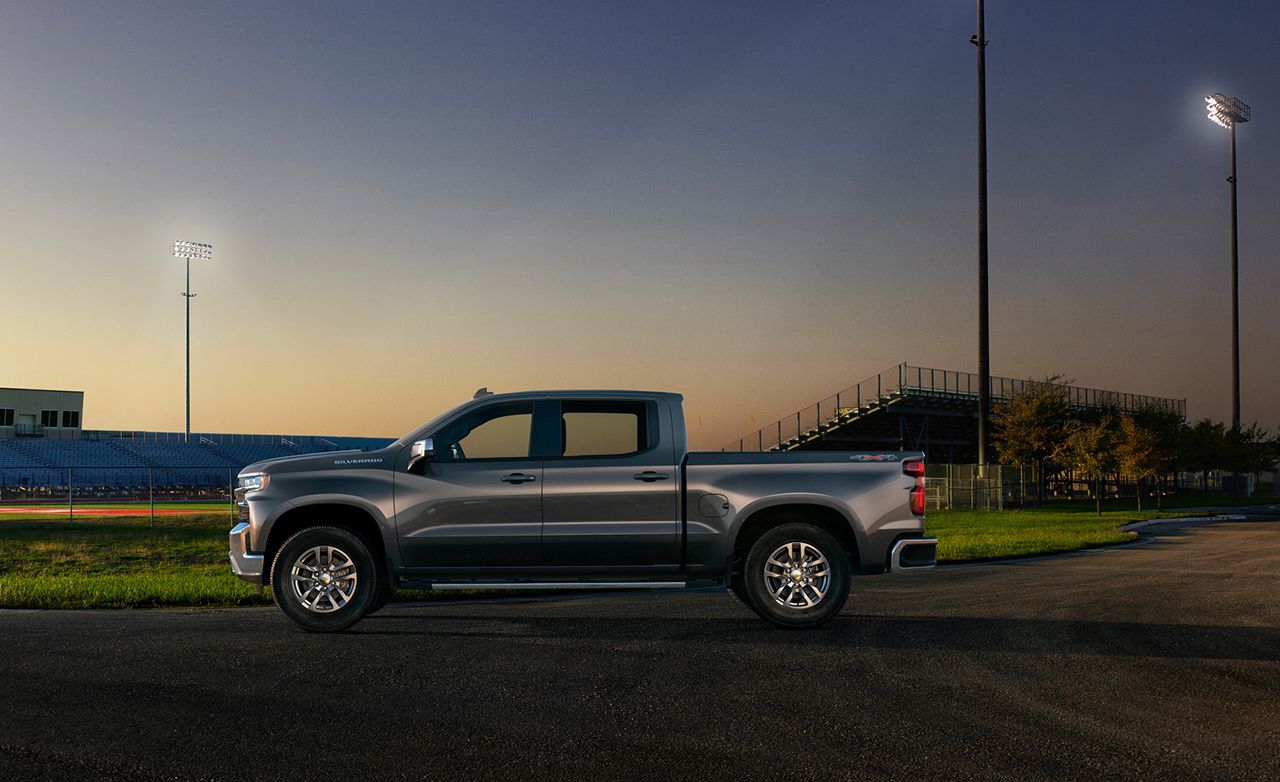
(327, 460)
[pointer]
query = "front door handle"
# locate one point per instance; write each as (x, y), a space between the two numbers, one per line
(518, 477)
(649, 476)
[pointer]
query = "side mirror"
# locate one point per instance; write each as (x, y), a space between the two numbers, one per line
(419, 452)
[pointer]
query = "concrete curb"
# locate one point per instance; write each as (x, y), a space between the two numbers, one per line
(1176, 519)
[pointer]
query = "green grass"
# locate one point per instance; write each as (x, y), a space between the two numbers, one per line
(1058, 526)
(119, 562)
(966, 536)
(202, 585)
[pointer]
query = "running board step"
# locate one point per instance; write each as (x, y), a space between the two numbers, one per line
(406, 584)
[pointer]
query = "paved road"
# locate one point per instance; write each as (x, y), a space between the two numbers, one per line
(1153, 661)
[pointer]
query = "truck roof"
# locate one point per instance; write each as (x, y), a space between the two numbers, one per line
(581, 392)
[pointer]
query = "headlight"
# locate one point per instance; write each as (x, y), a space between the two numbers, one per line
(254, 482)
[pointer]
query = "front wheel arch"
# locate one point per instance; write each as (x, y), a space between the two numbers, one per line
(352, 518)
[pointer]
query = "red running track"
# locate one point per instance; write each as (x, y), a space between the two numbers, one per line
(62, 511)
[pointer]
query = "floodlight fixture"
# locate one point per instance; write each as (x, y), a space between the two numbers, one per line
(193, 251)
(1227, 112)
(190, 251)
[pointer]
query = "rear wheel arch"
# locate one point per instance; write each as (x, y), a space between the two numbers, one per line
(761, 521)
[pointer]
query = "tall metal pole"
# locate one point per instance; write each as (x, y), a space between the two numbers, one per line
(1235, 294)
(984, 337)
(187, 294)
(188, 251)
(1229, 112)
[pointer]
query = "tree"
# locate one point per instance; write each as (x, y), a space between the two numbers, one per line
(1248, 450)
(1168, 427)
(1031, 426)
(1092, 449)
(1203, 447)
(1138, 453)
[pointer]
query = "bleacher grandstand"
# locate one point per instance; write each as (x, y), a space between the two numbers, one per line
(119, 463)
(920, 409)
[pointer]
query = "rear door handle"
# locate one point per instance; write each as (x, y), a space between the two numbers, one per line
(649, 476)
(518, 477)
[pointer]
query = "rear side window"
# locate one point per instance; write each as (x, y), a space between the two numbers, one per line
(612, 428)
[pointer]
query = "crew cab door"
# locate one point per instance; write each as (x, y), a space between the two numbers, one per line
(610, 489)
(478, 502)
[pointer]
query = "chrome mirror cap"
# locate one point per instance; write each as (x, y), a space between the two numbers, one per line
(420, 451)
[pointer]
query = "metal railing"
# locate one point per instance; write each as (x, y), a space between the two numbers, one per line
(874, 393)
(944, 381)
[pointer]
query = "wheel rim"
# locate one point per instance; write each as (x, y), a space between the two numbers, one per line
(324, 579)
(797, 575)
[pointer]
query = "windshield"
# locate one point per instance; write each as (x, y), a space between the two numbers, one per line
(434, 422)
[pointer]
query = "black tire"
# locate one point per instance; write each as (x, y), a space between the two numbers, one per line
(738, 589)
(808, 600)
(385, 593)
(331, 608)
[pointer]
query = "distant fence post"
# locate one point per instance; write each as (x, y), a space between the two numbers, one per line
(151, 496)
(71, 502)
(231, 496)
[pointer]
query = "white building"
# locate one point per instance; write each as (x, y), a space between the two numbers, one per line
(31, 411)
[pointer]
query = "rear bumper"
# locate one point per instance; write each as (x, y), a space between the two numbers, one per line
(244, 564)
(909, 555)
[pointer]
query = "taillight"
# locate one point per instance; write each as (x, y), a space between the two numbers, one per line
(916, 470)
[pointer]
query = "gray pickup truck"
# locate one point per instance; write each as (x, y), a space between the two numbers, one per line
(574, 489)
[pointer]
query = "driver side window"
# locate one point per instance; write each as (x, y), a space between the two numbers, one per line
(493, 432)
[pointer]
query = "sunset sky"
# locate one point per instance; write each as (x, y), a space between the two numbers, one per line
(755, 204)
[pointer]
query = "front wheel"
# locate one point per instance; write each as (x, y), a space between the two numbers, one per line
(385, 593)
(324, 579)
(797, 575)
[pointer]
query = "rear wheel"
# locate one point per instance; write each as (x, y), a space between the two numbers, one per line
(796, 575)
(738, 588)
(325, 579)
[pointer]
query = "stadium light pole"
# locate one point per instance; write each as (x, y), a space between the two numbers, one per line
(1229, 112)
(984, 319)
(190, 251)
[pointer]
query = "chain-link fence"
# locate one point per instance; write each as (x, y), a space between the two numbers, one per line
(1003, 487)
(970, 487)
(57, 492)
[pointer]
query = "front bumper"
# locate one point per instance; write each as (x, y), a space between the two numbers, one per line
(244, 564)
(911, 554)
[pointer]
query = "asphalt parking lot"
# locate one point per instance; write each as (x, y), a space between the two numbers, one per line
(1155, 661)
